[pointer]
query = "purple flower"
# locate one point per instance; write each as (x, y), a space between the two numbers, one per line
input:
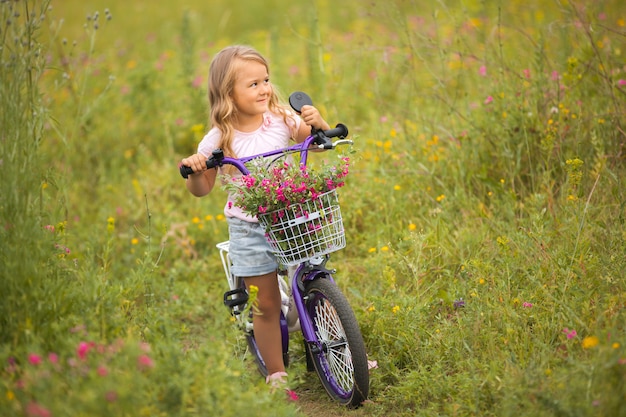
(459, 303)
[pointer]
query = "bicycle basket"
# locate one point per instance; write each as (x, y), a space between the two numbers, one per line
(304, 231)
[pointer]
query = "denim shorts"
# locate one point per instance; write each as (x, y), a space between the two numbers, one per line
(249, 251)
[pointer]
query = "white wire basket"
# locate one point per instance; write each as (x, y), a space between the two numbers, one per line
(304, 231)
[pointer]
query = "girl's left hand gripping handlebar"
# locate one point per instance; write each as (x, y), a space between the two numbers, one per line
(214, 161)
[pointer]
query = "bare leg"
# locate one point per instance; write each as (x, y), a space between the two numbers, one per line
(266, 320)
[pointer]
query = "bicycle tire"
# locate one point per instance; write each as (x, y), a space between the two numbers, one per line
(341, 362)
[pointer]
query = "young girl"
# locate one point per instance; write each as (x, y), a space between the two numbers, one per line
(248, 119)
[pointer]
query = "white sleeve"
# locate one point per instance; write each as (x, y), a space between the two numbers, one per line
(209, 142)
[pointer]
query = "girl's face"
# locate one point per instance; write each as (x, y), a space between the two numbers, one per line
(252, 89)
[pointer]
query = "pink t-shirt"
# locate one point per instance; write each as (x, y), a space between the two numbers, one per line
(273, 134)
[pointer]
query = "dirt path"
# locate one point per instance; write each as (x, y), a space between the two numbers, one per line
(314, 402)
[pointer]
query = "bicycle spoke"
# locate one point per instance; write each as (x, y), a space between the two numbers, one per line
(339, 358)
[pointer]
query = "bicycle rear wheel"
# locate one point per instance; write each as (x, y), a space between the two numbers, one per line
(339, 358)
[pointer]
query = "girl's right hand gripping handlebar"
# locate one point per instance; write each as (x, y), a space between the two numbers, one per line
(214, 161)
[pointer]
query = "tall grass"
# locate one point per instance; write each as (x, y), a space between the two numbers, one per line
(484, 214)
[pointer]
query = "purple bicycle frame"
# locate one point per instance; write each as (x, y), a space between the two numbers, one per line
(303, 148)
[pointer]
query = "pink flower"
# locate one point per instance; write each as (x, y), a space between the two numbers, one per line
(53, 357)
(262, 209)
(527, 305)
(197, 82)
(555, 76)
(488, 100)
(102, 371)
(110, 396)
(570, 334)
(526, 73)
(35, 410)
(621, 83)
(34, 359)
(482, 70)
(144, 362)
(83, 348)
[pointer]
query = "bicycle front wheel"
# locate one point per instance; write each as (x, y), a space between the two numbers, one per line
(339, 357)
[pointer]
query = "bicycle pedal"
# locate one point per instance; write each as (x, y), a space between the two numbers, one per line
(235, 298)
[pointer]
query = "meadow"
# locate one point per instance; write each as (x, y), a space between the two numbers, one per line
(485, 209)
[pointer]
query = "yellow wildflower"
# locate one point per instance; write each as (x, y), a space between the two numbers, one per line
(110, 224)
(590, 341)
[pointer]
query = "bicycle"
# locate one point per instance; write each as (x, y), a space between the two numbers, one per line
(313, 303)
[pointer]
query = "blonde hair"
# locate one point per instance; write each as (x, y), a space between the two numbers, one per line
(222, 77)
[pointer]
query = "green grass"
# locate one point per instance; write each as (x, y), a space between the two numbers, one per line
(485, 209)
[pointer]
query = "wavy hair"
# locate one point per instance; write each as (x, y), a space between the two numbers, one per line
(222, 77)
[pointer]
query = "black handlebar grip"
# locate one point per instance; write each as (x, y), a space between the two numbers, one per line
(185, 171)
(340, 131)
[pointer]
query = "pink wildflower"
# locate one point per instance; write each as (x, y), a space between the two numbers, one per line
(527, 305)
(198, 81)
(53, 357)
(483, 71)
(526, 73)
(488, 100)
(34, 359)
(35, 410)
(102, 371)
(570, 334)
(262, 209)
(249, 180)
(144, 362)
(110, 396)
(621, 83)
(555, 76)
(83, 348)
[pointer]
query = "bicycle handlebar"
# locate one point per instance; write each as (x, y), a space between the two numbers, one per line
(320, 138)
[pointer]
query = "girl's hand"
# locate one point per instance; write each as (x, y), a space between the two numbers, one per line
(201, 182)
(197, 162)
(312, 117)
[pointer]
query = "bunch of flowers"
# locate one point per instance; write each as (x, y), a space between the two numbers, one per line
(297, 206)
(268, 189)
